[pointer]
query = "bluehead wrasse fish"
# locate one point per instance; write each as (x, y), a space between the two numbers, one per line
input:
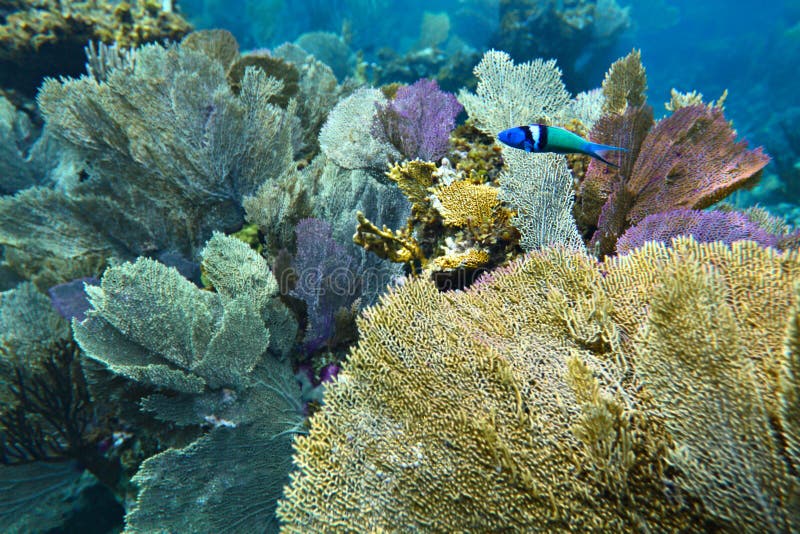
(541, 138)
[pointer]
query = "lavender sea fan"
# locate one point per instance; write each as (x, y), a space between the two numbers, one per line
(704, 226)
(419, 120)
(326, 279)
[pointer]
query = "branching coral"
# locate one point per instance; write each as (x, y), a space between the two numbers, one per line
(398, 246)
(553, 395)
(680, 100)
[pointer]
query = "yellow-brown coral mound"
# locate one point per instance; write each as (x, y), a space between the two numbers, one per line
(46, 37)
(561, 394)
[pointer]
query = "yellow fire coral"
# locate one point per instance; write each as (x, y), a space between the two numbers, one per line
(471, 259)
(457, 222)
(560, 394)
(464, 203)
(398, 246)
(413, 178)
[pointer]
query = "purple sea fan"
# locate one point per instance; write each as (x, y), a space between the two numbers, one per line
(326, 280)
(69, 299)
(418, 121)
(704, 226)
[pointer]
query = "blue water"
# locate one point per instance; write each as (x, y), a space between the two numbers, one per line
(705, 46)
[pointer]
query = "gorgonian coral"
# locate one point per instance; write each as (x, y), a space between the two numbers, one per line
(418, 120)
(689, 160)
(704, 226)
(651, 392)
(326, 279)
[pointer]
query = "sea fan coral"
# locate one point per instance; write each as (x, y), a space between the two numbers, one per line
(326, 279)
(418, 120)
(200, 358)
(704, 226)
(687, 161)
(510, 95)
(473, 410)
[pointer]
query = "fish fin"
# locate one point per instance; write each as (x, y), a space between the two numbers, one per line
(597, 147)
(604, 160)
(592, 149)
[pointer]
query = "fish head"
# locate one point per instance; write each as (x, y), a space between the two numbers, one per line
(513, 137)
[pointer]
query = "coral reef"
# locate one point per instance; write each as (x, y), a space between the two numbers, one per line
(456, 229)
(45, 38)
(537, 187)
(217, 256)
(550, 396)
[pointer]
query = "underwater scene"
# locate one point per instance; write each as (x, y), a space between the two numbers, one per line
(371, 266)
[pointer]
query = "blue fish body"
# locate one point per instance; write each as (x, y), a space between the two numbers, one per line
(541, 138)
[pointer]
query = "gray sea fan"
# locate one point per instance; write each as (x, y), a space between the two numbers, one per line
(170, 141)
(346, 137)
(230, 479)
(75, 234)
(512, 95)
(202, 359)
(539, 188)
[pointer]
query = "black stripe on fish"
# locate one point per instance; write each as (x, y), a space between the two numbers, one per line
(542, 138)
(529, 140)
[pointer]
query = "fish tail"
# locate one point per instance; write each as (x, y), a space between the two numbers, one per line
(592, 149)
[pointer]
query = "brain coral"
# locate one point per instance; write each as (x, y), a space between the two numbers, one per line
(560, 395)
